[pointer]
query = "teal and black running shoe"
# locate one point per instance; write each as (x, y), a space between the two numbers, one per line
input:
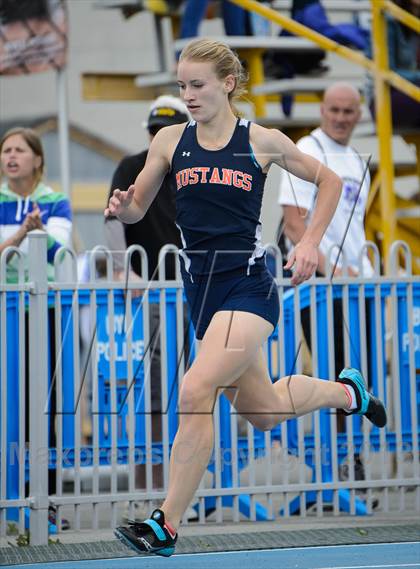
(367, 404)
(150, 536)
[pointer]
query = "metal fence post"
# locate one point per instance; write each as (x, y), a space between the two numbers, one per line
(38, 387)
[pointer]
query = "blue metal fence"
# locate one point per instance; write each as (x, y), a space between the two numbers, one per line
(119, 385)
(137, 383)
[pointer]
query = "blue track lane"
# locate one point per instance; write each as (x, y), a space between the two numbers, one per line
(369, 556)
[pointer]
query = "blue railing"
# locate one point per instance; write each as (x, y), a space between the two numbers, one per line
(376, 365)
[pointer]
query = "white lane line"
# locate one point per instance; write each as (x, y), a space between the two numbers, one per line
(372, 566)
(300, 549)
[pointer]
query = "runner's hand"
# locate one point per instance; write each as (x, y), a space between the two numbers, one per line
(304, 259)
(119, 201)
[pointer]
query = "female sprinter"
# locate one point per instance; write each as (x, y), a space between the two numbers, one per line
(219, 164)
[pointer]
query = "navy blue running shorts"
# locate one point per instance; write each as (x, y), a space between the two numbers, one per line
(256, 293)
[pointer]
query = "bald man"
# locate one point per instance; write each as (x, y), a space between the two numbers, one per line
(340, 112)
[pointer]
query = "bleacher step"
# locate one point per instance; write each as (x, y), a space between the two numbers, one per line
(302, 84)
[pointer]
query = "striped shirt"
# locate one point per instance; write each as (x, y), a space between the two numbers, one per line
(55, 214)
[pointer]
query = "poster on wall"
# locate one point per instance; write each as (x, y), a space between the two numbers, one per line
(33, 36)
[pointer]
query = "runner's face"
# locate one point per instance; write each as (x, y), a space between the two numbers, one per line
(201, 90)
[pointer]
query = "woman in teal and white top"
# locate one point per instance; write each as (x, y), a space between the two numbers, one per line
(26, 203)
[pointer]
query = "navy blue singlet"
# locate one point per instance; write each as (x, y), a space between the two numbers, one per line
(218, 202)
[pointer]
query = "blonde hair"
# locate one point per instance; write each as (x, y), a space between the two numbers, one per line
(225, 61)
(34, 143)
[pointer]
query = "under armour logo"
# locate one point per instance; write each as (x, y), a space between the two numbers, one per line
(186, 153)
